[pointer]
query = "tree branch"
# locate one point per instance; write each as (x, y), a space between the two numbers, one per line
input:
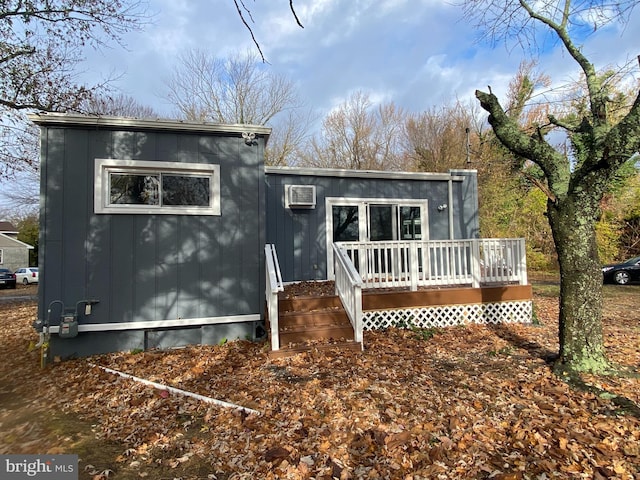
(544, 188)
(623, 140)
(559, 123)
(596, 97)
(248, 27)
(530, 147)
(255, 41)
(295, 15)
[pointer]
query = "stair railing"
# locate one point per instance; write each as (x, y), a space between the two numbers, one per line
(273, 286)
(349, 289)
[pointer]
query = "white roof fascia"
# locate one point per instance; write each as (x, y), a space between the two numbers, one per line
(63, 119)
(17, 241)
(381, 174)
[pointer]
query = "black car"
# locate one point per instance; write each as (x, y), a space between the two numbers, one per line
(622, 273)
(7, 278)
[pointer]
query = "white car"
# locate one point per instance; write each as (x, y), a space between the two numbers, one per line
(27, 275)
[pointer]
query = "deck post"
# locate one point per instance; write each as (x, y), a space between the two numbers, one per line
(475, 263)
(413, 265)
(273, 286)
(523, 262)
(358, 314)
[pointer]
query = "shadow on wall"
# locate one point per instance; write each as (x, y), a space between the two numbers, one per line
(153, 267)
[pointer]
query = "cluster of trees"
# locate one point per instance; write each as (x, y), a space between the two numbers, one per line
(565, 178)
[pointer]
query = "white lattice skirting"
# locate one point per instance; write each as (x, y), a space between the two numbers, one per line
(449, 315)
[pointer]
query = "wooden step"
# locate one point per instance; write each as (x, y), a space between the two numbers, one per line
(316, 333)
(322, 347)
(316, 318)
(297, 327)
(308, 304)
(307, 323)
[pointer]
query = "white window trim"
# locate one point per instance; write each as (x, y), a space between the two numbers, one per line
(103, 167)
(1, 257)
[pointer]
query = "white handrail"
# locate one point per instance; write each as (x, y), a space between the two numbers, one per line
(439, 262)
(273, 286)
(349, 287)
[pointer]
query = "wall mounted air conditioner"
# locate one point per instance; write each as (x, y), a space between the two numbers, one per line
(300, 196)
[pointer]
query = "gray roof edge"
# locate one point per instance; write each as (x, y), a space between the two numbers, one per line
(380, 174)
(61, 119)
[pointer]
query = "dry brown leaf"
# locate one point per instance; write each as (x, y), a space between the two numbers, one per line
(276, 454)
(397, 439)
(450, 407)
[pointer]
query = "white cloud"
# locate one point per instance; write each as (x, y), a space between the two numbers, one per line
(416, 53)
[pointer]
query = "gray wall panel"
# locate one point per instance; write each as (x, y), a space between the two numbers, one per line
(150, 267)
(167, 262)
(97, 343)
(121, 270)
(76, 197)
(145, 271)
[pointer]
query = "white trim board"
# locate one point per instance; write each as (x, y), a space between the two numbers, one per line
(56, 119)
(381, 174)
(154, 324)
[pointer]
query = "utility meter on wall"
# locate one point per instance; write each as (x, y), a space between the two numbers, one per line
(68, 326)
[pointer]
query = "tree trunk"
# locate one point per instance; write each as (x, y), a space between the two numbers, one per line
(580, 322)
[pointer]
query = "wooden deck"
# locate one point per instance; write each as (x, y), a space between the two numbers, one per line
(311, 317)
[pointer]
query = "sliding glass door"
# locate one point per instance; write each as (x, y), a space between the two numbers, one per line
(369, 220)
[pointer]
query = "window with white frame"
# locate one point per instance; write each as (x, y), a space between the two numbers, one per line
(374, 220)
(144, 187)
(1, 257)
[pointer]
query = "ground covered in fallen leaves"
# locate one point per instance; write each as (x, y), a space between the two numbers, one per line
(457, 403)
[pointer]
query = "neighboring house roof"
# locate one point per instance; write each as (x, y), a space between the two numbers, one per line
(8, 240)
(7, 227)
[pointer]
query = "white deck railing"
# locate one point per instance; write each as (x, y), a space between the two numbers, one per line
(414, 264)
(273, 286)
(348, 285)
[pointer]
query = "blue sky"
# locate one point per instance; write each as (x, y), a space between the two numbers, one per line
(416, 53)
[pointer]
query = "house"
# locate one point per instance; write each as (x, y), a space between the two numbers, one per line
(14, 254)
(153, 232)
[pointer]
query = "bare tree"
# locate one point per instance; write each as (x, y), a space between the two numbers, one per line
(24, 197)
(574, 180)
(436, 139)
(41, 43)
(238, 89)
(116, 105)
(289, 136)
(357, 135)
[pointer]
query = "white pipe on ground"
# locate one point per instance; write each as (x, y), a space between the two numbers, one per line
(160, 386)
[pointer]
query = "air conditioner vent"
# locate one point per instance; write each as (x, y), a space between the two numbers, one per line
(301, 196)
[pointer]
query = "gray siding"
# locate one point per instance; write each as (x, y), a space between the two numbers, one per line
(149, 267)
(300, 234)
